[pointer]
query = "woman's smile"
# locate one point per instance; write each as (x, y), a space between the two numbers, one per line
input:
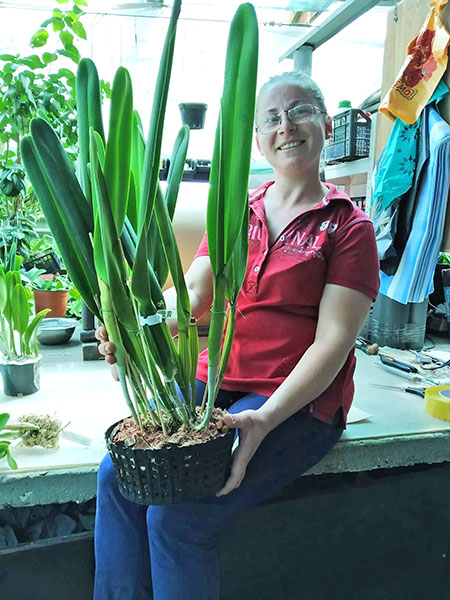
(289, 145)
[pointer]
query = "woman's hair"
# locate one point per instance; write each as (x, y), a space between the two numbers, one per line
(299, 79)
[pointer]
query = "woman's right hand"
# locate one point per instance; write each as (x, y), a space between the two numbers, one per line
(107, 348)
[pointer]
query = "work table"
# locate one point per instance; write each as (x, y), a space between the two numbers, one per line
(398, 432)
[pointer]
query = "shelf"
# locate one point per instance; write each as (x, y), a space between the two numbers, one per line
(348, 12)
(348, 169)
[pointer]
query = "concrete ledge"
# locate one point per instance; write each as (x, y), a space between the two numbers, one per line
(58, 486)
(397, 451)
(79, 485)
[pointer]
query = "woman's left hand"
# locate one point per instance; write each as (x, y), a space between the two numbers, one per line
(252, 430)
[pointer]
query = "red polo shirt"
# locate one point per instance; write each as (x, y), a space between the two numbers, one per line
(279, 302)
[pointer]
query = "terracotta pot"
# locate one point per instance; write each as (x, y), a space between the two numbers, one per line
(171, 475)
(56, 300)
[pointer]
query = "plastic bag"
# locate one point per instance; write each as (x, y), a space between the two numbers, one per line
(421, 71)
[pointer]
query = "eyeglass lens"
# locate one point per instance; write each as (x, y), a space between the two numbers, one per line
(296, 115)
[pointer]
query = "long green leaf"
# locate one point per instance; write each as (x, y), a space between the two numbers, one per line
(66, 209)
(232, 149)
(4, 418)
(20, 309)
(154, 139)
(31, 331)
(228, 195)
(155, 244)
(3, 290)
(11, 462)
(99, 255)
(112, 251)
(176, 169)
(89, 114)
(118, 146)
(238, 117)
(137, 165)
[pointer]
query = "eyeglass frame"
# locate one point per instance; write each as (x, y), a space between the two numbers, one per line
(316, 110)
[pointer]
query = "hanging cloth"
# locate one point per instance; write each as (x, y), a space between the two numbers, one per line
(405, 208)
(394, 177)
(413, 280)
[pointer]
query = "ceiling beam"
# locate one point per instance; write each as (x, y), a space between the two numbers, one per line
(339, 18)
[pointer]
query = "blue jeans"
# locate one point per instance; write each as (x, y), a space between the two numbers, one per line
(181, 538)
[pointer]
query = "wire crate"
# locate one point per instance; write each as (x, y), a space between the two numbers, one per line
(351, 136)
(50, 262)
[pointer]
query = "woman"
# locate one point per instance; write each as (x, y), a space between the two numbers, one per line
(312, 274)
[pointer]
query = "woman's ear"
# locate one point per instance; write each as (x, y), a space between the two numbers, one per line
(328, 128)
(259, 145)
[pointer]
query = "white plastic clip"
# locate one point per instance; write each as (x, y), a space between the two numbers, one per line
(158, 317)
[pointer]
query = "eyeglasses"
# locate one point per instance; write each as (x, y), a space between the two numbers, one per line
(303, 113)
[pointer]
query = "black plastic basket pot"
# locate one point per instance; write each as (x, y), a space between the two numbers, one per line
(171, 475)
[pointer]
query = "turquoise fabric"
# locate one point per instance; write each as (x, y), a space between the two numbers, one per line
(395, 170)
(413, 280)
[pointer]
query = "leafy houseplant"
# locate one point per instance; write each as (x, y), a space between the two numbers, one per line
(28, 90)
(35, 85)
(115, 235)
(20, 362)
(51, 291)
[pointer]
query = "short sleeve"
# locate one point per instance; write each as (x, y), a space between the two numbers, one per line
(354, 258)
(203, 248)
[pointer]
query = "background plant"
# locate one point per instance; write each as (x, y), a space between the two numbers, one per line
(6, 439)
(30, 86)
(33, 279)
(18, 326)
(114, 230)
(56, 283)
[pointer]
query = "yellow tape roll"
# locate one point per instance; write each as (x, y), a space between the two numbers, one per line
(437, 401)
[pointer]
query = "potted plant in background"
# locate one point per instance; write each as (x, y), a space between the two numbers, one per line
(49, 290)
(20, 361)
(115, 235)
(52, 292)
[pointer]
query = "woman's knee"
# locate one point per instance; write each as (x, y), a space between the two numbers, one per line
(188, 523)
(106, 477)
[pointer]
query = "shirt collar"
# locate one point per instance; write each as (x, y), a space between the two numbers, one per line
(256, 196)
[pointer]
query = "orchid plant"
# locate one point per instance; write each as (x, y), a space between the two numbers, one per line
(113, 226)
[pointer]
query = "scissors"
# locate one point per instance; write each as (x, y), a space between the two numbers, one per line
(410, 390)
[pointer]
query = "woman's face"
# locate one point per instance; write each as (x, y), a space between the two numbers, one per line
(291, 147)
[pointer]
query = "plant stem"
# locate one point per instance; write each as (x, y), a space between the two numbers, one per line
(214, 344)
